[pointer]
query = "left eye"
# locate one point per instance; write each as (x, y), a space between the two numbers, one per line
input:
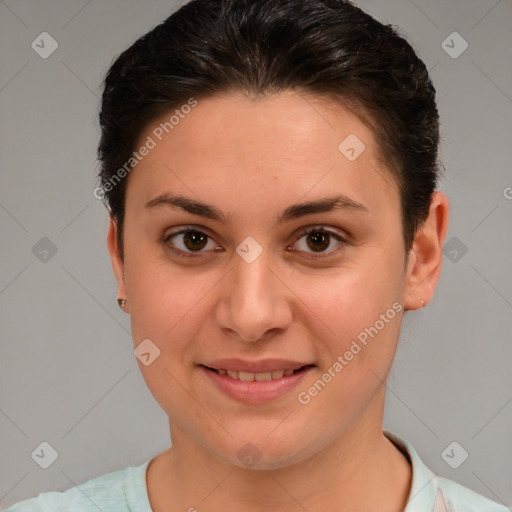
(318, 240)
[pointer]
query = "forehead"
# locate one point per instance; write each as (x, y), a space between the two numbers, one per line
(277, 148)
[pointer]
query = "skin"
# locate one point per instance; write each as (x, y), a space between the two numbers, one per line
(251, 158)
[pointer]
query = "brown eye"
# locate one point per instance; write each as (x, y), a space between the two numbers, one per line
(195, 240)
(190, 242)
(321, 241)
(318, 240)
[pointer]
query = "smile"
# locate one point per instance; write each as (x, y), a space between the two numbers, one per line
(260, 377)
(270, 380)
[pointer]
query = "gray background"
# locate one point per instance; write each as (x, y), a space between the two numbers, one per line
(67, 371)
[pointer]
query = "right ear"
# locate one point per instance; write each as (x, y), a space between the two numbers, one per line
(116, 260)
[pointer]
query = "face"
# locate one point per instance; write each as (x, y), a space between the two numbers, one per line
(265, 263)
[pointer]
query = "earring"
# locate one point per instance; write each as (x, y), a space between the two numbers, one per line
(422, 302)
(121, 303)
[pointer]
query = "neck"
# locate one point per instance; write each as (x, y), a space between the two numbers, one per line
(360, 471)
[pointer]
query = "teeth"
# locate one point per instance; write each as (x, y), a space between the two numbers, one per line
(246, 376)
(232, 374)
(260, 377)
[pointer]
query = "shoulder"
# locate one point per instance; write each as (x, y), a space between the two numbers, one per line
(119, 491)
(432, 493)
(455, 497)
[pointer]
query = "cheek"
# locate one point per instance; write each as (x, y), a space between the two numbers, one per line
(166, 307)
(163, 300)
(352, 298)
(361, 312)
(357, 351)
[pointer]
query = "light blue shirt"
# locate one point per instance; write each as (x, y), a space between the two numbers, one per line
(126, 491)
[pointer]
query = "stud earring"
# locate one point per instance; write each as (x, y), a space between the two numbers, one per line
(422, 302)
(121, 303)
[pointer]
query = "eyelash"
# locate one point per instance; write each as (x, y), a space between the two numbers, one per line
(306, 231)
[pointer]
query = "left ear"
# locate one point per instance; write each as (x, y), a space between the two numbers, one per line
(426, 256)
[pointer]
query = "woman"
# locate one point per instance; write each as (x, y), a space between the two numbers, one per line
(270, 169)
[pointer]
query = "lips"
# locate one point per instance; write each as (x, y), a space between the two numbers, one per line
(255, 382)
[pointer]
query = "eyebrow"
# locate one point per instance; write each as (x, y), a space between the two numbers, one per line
(295, 211)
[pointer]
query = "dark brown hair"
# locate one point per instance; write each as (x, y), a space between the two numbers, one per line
(263, 47)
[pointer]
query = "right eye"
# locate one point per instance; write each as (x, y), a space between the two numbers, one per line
(190, 243)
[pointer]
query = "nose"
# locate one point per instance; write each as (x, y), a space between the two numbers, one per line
(254, 301)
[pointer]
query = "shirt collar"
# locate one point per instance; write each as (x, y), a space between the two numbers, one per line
(424, 496)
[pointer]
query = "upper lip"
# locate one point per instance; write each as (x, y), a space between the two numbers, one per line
(260, 366)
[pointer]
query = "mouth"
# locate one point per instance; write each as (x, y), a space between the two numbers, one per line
(259, 376)
(255, 383)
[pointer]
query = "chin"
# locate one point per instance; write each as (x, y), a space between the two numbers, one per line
(259, 453)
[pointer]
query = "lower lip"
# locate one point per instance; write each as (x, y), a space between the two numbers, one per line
(255, 392)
